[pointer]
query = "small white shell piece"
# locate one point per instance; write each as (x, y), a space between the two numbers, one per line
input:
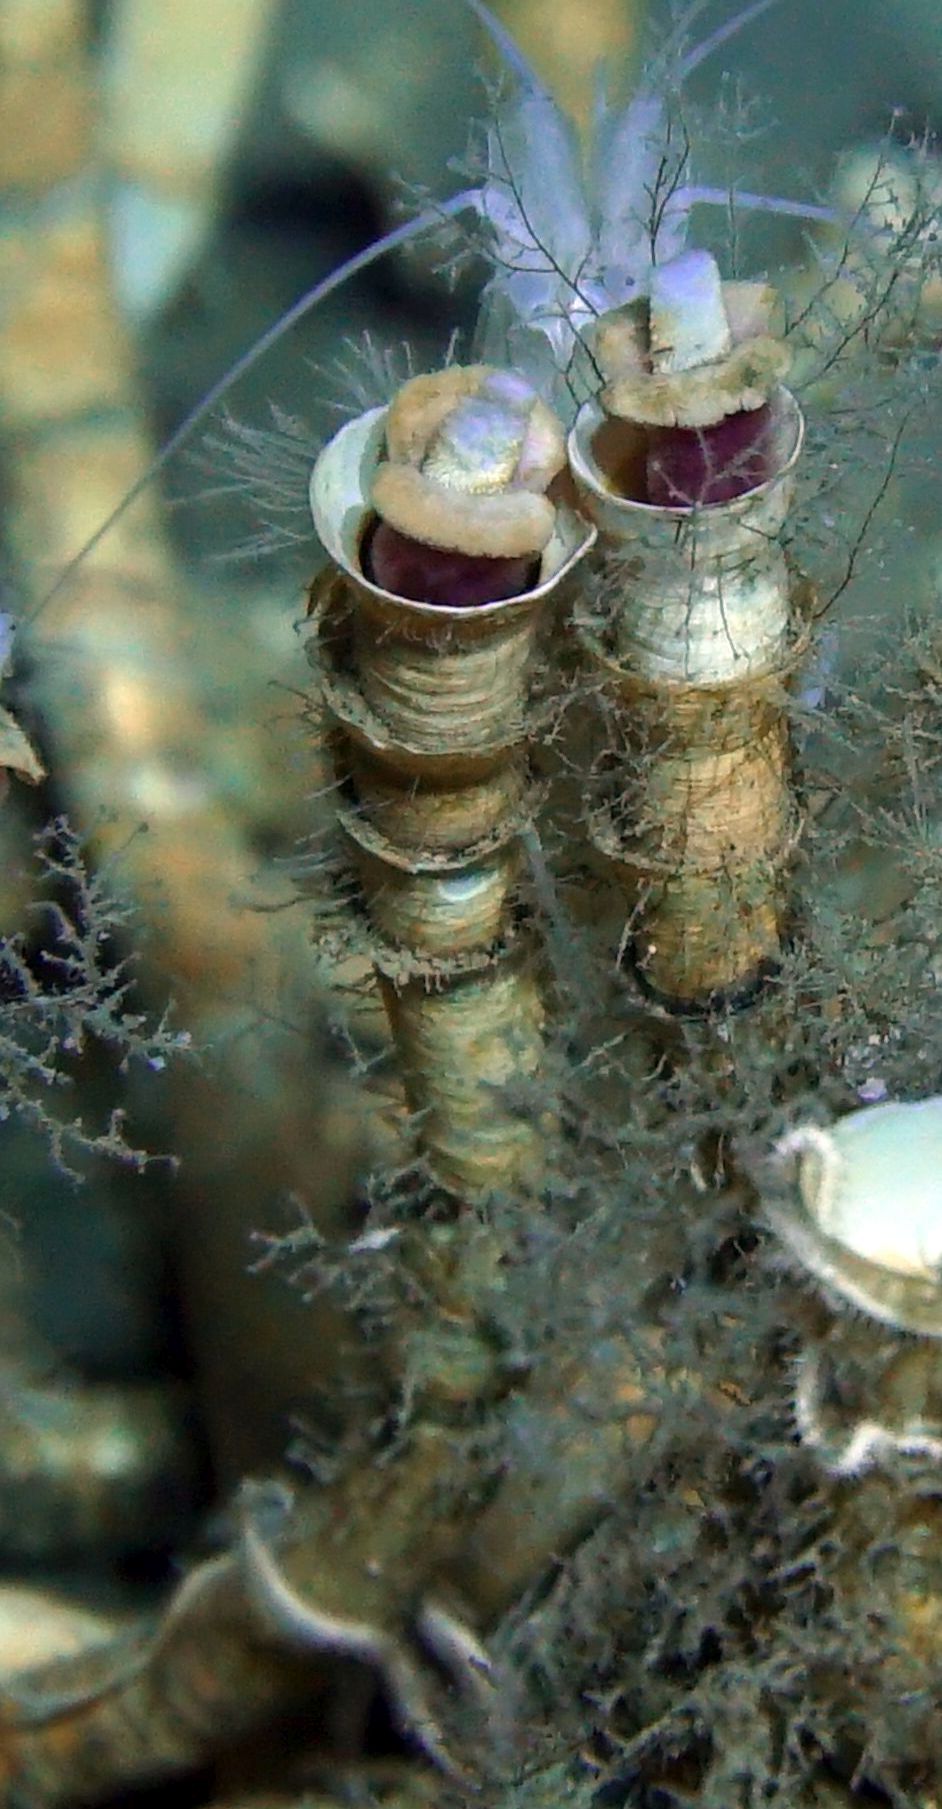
(688, 321)
(866, 1444)
(868, 1221)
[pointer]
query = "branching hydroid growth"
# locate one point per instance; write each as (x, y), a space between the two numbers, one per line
(72, 991)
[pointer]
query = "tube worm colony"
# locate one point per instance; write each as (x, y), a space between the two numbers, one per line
(686, 464)
(449, 541)
(446, 550)
(447, 553)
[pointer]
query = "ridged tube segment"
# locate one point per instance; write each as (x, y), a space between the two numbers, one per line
(431, 718)
(461, 1049)
(693, 634)
(432, 817)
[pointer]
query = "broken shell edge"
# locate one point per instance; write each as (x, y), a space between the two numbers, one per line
(808, 1168)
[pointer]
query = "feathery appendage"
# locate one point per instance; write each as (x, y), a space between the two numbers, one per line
(572, 231)
(568, 236)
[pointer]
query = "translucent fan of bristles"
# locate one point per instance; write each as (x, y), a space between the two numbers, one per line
(567, 235)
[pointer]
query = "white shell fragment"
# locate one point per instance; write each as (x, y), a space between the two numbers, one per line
(477, 448)
(858, 1444)
(692, 351)
(688, 321)
(874, 1182)
(479, 444)
(868, 1218)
